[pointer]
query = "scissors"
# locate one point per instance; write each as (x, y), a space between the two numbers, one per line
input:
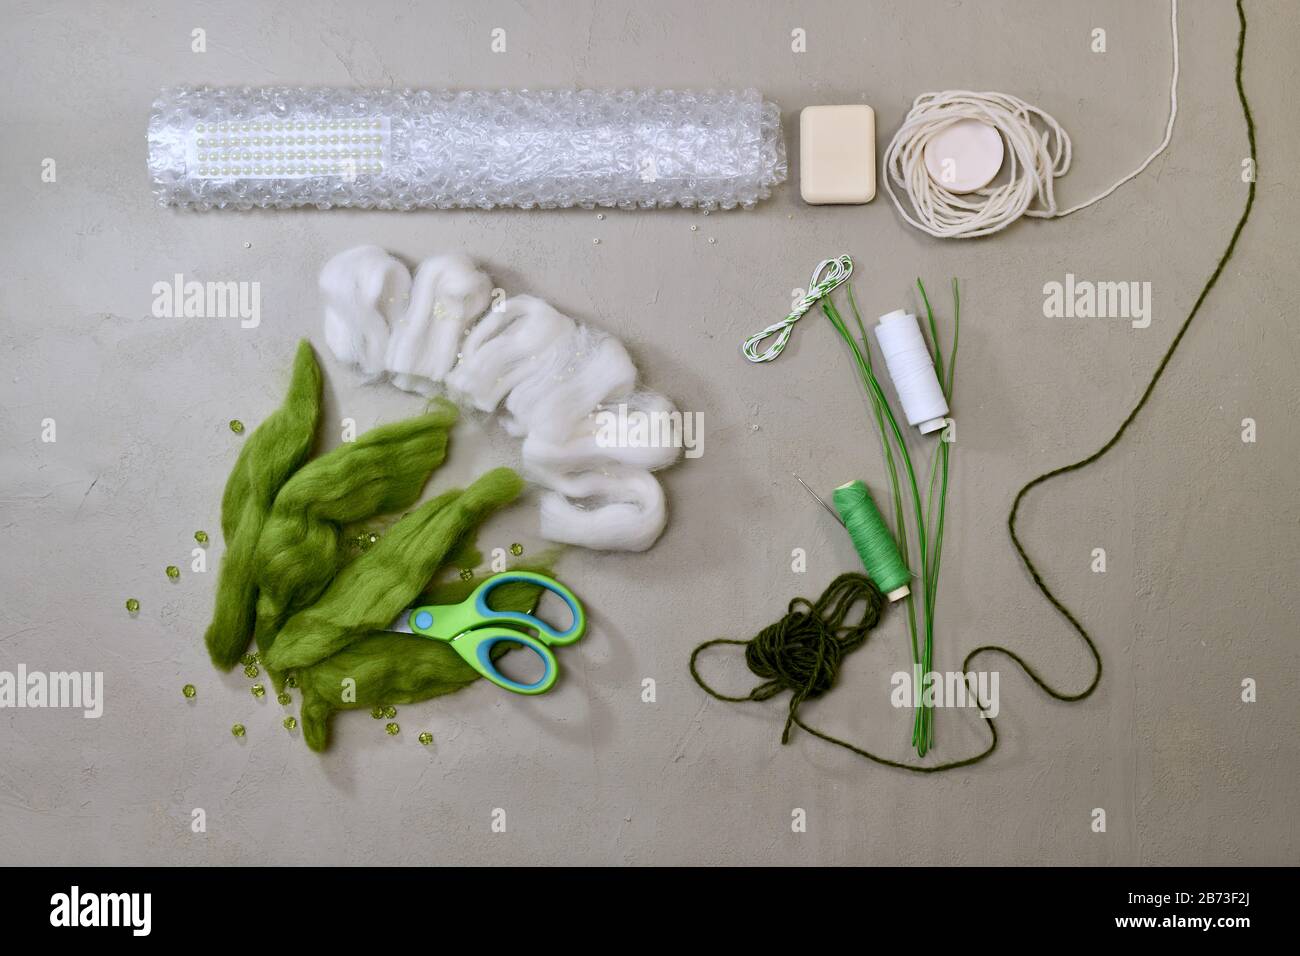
(473, 629)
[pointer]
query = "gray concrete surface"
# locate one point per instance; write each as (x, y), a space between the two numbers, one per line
(1200, 528)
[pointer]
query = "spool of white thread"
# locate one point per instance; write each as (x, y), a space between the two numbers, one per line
(912, 370)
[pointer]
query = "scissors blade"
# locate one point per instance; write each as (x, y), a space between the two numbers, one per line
(402, 625)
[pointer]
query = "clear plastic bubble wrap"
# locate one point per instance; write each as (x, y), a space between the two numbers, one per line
(406, 149)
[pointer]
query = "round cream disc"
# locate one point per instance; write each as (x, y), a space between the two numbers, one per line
(964, 156)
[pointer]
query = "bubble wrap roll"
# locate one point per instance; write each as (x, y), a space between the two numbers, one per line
(408, 149)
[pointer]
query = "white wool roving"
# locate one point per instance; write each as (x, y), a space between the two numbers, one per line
(447, 293)
(365, 289)
(568, 390)
(589, 445)
(574, 375)
(617, 509)
(503, 349)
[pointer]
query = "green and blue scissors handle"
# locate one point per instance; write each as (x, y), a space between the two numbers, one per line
(473, 629)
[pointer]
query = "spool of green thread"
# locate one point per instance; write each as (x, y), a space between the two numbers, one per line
(873, 540)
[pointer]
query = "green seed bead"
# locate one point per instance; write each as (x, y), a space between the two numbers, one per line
(132, 605)
(247, 659)
(516, 549)
(364, 539)
(259, 691)
(236, 426)
(392, 730)
(426, 738)
(189, 691)
(390, 712)
(173, 572)
(237, 730)
(466, 573)
(290, 723)
(201, 537)
(377, 712)
(291, 681)
(251, 670)
(284, 699)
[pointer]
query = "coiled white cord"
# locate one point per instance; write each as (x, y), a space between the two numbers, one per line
(1037, 159)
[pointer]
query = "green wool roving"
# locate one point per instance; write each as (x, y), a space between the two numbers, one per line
(390, 668)
(272, 453)
(301, 545)
(315, 609)
(371, 591)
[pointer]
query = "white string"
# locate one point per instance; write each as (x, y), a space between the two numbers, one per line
(1037, 159)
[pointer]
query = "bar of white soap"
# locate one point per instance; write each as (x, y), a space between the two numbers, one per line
(837, 154)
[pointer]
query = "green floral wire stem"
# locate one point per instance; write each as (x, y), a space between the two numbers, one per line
(926, 518)
(880, 409)
(939, 465)
(884, 413)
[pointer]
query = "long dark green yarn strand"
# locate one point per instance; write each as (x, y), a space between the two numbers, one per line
(1047, 476)
(1132, 415)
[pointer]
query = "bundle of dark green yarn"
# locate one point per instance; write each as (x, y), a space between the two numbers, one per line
(802, 652)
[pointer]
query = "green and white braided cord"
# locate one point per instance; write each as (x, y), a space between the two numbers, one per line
(819, 286)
